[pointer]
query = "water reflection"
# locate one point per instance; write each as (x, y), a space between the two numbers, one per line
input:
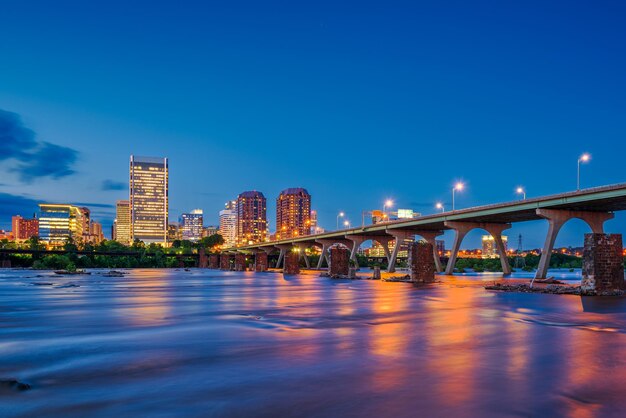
(162, 342)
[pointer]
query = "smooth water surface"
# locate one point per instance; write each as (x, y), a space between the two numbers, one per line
(211, 343)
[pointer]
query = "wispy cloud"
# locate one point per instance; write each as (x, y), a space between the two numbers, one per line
(35, 159)
(108, 185)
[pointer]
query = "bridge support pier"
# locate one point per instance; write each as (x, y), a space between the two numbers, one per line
(384, 242)
(462, 228)
(431, 238)
(400, 236)
(558, 218)
(302, 251)
(284, 248)
(260, 260)
(326, 243)
(291, 263)
(357, 240)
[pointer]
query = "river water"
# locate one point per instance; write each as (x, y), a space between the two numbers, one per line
(226, 344)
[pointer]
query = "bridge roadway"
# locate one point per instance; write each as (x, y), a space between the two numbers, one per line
(594, 206)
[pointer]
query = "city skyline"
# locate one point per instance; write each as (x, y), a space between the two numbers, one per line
(520, 116)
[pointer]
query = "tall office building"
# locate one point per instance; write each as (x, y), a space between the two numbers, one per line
(489, 246)
(191, 225)
(228, 224)
(251, 218)
(293, 213)
(23, 228)
(59, 222)
(149, 205)
(315, 229)
(122, 222)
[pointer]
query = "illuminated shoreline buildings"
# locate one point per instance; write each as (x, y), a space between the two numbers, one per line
(490, 249)
(24, 229)
(251, 218)
(60, 222)
(191, 225)
(149, 204)
(228, 224)
(293, 213)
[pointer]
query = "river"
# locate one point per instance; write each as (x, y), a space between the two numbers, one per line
(226, 344)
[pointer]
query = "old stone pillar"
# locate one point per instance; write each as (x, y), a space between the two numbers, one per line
(291, 263)
(240, 262)
(339, 261)
(421, 262)
(260, 261)
(225, 262)
(203, 260)
(214, 261)
(603, 264)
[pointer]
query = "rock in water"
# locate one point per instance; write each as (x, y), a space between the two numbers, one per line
(12, 384)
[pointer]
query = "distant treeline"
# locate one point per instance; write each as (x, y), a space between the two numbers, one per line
(70, 260)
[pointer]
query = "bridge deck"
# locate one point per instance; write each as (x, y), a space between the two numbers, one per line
(600, 199)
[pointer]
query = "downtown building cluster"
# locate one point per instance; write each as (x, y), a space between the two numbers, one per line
(244, 220)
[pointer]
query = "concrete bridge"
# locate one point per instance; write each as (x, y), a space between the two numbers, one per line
(594, 206)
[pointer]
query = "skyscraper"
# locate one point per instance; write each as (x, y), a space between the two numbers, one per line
(293, 213)
(191, 225)
(251, 218)
(149, 205)
(315, 229)
(122, 222)
(228, 224)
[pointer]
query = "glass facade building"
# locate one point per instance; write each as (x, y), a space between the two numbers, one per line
(293, 213)
(191, 225)
(228, 224)
(149, 200)
(59, 222)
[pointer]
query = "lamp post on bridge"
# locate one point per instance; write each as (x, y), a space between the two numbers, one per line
(459, 186)
(520, 190)
(388, 204)
(346, 224)
(582, 159)
(341, 215)
(439, 206)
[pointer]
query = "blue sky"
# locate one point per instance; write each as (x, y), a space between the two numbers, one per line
(356, 101)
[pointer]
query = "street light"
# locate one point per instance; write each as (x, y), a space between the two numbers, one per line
(459, 186)
(341, 215)
(520, 190)
(346, 224)
(388, 204)
(439, 206)
(583, 159)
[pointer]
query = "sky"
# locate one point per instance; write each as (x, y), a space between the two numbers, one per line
(358, 102)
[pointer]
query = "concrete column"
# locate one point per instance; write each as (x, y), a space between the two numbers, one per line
(462, 228)
(325, 247)
(301, 248)
(384, 242)
(556, 219)
(284, 248)
(431, 238)
(357, 240)
(400, 236)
